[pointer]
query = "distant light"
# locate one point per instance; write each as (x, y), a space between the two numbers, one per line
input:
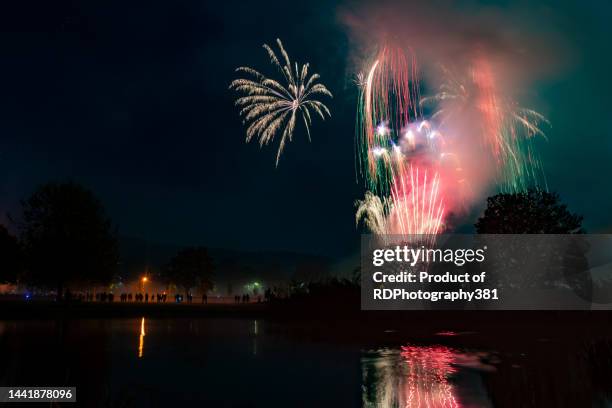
(144, 279)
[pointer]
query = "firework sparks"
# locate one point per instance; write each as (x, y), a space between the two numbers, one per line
(415, 206)
(360, 80)
(388, 101)
(418, 207)
(272, 108)
(373, 211)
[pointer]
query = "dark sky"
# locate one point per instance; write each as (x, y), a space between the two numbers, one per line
(130, 99)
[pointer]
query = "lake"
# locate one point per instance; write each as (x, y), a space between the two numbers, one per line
(224, 362)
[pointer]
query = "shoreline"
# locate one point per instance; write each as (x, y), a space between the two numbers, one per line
(319, 314)
(11, 310)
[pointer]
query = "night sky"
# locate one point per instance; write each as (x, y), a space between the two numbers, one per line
(131, 100)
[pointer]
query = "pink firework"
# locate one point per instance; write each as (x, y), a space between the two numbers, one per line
(417, 206)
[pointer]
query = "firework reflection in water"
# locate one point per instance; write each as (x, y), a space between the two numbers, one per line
(419, 376)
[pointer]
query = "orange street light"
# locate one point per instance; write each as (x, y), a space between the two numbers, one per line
(142, 283)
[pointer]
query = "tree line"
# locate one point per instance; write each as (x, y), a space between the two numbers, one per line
(65, 238)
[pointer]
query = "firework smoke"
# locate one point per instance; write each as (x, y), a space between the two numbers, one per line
(469, 138)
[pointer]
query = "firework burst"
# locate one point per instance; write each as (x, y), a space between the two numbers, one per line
(418, 172)
(395, 153)
(272, 108)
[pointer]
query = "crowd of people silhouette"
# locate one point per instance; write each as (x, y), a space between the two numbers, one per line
(145, 297)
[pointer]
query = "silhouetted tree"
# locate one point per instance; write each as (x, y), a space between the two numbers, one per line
(532, 212)
(532, 262)
(191, 267)
(10, 257)
(67, 237)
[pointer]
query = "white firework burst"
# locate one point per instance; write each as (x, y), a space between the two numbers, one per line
(271, 108)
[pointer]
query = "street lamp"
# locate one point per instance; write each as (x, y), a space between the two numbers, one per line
(143, 281)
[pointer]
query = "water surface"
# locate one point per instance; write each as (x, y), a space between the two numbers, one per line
(250, 363)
